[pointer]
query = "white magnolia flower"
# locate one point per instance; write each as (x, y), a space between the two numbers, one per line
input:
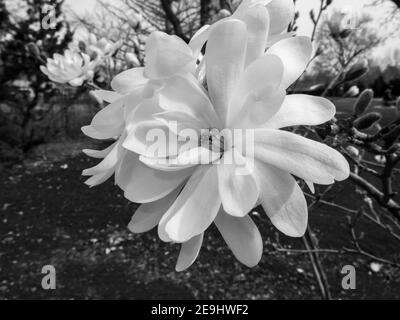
(165, 56)
(72, 67)
(246, 90)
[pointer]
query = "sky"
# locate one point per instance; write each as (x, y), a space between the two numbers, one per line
(84, 7)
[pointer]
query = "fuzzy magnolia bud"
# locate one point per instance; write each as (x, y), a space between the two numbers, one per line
(356, 71)
(363, 102)
(34, 50)
(345, 33)
(367, 121)
(353, 151)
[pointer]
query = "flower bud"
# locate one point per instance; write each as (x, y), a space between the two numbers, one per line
(367, 121)
(34, 50)
(353, 151)
(363, 102)
(356, 71)
(345, 33)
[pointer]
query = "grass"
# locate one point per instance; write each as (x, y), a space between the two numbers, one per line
(48, 216)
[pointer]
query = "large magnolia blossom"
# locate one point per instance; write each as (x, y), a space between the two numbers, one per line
(237, 86)
(184, 200)
(72, 68)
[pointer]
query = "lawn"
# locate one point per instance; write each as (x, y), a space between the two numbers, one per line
(48, 216)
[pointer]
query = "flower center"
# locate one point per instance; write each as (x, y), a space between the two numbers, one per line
(212, 140)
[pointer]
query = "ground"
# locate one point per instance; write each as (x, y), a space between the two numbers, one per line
(49, 217)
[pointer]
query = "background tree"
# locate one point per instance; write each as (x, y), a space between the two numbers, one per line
(30, 33)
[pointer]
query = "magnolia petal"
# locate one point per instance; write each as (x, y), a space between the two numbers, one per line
(95, 134)
(199, 39)
(189, 252)
(196, 207)
(263, 74)
(152, 139)
(258, 23)
(282, 199)
(142, 113)
(164, 164)
(77, 82)
(197, 155)
(148, 215)
(295, 54)
(108, 163)
(110, 120)
(105, 95)
(142, 184)
(304, 158)
(259, 93)
(132, 101)
(129, 80)
(178, 121)
(99, 178)
(242, 237)
(301, 109)
(247, 4)
(225, 58)
(99, 154)
(167, 55)
(282, 14)
(184, 94)
(272, 39)
(238, 190)
(106, 168)
(256, 110)
(310, 186)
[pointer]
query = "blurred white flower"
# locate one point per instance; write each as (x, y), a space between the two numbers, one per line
(72, 67)
(354, 91)
(243, 96)
(380, 159)
(376, 266)
(89, 44)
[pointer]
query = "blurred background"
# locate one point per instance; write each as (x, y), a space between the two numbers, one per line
(49, 217)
